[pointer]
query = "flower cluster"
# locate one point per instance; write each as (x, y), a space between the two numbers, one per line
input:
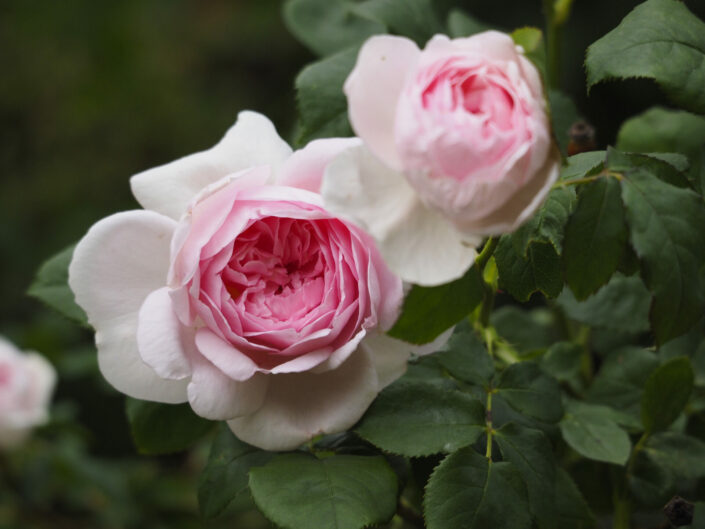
(257, 283)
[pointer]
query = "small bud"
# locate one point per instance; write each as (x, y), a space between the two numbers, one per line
(582, 138)
(679, 511)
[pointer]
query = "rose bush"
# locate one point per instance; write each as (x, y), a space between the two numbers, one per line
(26, 383)
(237, 291)
(457, 146)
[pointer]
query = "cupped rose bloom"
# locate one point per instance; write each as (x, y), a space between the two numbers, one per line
(236, 290)
(457, 146)
(26, 383)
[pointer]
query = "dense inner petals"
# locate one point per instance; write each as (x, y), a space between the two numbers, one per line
(460, 119)
(278, 271)
(285, 287)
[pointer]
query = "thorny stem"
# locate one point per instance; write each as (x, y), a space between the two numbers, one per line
(490, 430)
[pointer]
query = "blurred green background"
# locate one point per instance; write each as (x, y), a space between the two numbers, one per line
(92, 92)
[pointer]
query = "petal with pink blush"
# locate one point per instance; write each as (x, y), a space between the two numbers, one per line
(117, 264)
(300, 406)
(410, 236)
(217, 397)
(373, 89)
(520, 206)
(250, 142)
(224, 356)
(304, 169)
(161, 338)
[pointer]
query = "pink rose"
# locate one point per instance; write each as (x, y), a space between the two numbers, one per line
(26, 383)
(237, 291)
(461, 147)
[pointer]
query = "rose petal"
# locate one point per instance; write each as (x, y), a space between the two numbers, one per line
(162, 339)
(411, 237)
(250, 142)
(304, 169)
(120, 261)
(299, 406)
(520, 206)
(373, 89)
(215, 396)
(224, 356)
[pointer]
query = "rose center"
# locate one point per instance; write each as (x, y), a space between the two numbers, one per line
(276, 269)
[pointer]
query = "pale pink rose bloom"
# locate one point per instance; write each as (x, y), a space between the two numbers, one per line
(235, 290)
(26, 383)
(457, 146)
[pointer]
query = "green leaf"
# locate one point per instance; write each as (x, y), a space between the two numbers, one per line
(661, 40)
(563, 114)
(664, 224)
(530, 391)
(699, 516)
(525, 330)
(540, 271)
(547, 224)
(563, 362)
(415, 19)
(328, 26)
(682, 455)
(467, 491)
(460, 24)
(300, 491)
(659, 130)
(620, 381)
(531, 40)
(594, 237)
(650, 483)
(466, 357)
(428, 311)
(416, 418)
(572, 510)
(225, 476)
(593, 434)
(164, 428)
(51, 286)
(582, 165)
(530, 452)
(666, 393)
(620, 305)
(323, 108)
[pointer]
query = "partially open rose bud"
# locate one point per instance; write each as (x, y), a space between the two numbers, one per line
(461, 147)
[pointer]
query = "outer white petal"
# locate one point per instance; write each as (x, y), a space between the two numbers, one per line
(120, 261)
(215, 396)
(390, 355)
(304, 169)
(373, 89)
(162, 340)
(299, 406)
(250, 142)
(416, 242)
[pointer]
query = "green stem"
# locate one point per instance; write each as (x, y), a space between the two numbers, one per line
(486, 252)
(620, 496)
(488, 419)
(622, 513)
